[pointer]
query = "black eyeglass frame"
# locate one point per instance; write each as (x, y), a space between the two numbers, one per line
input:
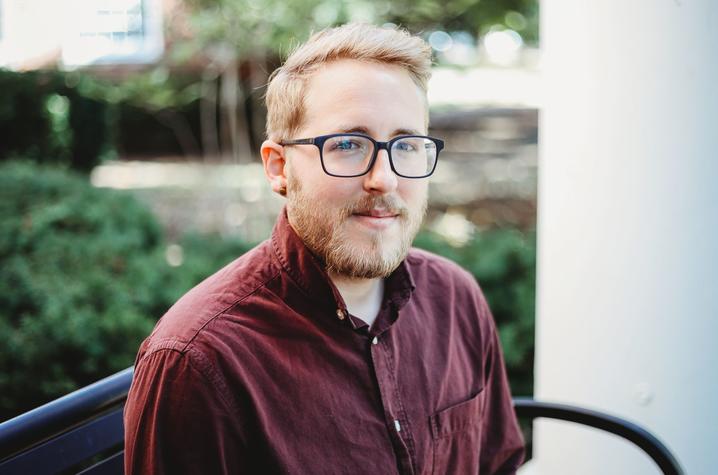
(319, 142)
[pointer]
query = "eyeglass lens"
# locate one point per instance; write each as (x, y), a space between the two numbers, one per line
(351, 155)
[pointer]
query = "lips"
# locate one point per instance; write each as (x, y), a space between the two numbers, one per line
(377, 213)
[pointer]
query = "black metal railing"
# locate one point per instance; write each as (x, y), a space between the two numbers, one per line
(654, 448)
(63, 435)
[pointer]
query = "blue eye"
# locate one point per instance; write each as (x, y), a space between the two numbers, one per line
(346, 145)
(404, 146)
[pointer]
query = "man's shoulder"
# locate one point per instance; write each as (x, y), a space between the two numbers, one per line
(427, 265)
(449, 290)
(209, 299)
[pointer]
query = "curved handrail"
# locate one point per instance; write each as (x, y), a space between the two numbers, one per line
(57, 416)
(654, 448)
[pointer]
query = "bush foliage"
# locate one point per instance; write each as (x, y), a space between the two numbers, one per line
(76, 285)
(84, 277)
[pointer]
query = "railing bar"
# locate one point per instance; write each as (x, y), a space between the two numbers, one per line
(111, 465)
(654, 448)
(70, 449)
(55, 417)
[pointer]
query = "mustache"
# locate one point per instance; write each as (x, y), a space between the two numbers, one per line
(390, 203)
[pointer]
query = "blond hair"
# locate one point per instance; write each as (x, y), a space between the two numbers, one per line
(285, 92)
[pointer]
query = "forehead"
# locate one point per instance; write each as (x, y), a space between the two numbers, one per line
(351, 93)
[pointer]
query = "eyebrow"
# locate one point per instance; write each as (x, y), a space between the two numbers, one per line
(360, 129)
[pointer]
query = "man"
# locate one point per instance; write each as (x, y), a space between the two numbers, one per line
(332, 348)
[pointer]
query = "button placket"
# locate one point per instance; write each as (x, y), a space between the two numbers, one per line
(392, 412)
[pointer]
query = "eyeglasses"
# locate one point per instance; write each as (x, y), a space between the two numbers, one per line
(351, 155)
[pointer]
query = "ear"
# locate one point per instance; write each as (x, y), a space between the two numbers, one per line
(274, 166)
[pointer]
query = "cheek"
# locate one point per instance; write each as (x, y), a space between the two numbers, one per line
(333, 191)
(414, 191)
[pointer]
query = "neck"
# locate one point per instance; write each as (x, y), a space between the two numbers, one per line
(362, 296)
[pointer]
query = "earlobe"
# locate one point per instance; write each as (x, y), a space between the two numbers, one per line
(274, 166)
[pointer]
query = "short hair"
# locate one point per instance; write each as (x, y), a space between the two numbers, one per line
(363, 42)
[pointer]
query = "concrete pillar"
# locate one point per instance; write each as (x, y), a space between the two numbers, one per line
(627, 311)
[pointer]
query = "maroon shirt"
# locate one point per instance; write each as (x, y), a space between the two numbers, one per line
(260, 369)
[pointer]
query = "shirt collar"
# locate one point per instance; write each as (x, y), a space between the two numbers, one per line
(312, 279)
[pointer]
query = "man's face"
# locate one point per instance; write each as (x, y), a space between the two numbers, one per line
(360, 227)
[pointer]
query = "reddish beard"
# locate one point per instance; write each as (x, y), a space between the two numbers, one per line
(371, 255)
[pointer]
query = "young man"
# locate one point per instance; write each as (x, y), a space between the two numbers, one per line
(332, 348)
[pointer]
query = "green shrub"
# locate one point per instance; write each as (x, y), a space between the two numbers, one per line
(78, 270)
(83, 279)
(503, 261)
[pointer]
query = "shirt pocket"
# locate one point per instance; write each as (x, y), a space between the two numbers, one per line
(456, 438)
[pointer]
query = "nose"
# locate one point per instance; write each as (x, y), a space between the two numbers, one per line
(381, 178)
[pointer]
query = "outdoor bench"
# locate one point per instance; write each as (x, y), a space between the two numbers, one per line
(82, 432)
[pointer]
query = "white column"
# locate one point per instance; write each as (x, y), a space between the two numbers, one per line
(627, 311)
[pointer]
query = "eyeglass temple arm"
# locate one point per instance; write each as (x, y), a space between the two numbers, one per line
(298, 142)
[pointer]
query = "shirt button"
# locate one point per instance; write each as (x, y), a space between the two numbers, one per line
(375, 341)
(341, 314)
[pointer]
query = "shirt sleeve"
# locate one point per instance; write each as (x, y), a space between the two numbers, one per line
(179, 420)
(502, 445)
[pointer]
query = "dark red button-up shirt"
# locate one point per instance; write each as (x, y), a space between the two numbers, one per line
(261, 369)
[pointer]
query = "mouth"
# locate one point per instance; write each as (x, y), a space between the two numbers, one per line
(377, 214)
(377, 219)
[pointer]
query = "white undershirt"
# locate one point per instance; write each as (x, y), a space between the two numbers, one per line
(362, 296)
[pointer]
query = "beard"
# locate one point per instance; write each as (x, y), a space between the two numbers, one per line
(327, 232)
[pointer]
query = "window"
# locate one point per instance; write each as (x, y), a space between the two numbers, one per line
(114, 32)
